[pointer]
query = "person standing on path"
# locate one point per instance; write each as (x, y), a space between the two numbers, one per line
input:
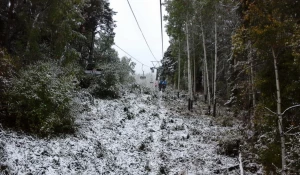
(160, 86)
(164, 85)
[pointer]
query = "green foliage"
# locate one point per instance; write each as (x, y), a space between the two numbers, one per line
(7, 63)
(125, 70)
(107, 85)
(199, 14)
(98, 20)
(270, 154)
(7, 67)
(176, 18)
(168, 63)
(38, 30)
(113, 76)
(103, 51)
(271, 28)
(40, 100)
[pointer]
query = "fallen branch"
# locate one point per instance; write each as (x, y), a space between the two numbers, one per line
(241, 163)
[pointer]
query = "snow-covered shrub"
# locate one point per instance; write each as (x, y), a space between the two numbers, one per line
(229, 147)
(4, 168)
(113, 75)
(106, 85)
(229, 143)
(41, 99)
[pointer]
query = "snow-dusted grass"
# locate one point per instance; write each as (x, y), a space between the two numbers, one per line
(131, 135)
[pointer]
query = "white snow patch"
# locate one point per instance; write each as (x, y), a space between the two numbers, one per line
(108, 141)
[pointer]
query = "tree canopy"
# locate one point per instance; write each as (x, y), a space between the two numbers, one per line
(45, 48)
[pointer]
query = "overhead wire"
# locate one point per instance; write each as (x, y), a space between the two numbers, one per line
(162, 36)
(141, 30)
(131, 56)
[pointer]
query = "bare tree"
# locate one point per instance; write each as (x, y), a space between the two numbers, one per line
(189, 68)
(178, 65)
(215, 70)
(206, 68)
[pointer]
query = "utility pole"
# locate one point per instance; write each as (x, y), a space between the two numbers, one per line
(161, 26)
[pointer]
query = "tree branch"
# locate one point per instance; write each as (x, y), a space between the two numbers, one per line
(291, 107)
(291, 128)
(271, 111)
(284, 110)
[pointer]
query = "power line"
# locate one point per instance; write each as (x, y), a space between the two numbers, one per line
(161, 26)
(131, 55)
(141, 30)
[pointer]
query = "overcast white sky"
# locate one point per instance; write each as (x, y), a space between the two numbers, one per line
(128, 35)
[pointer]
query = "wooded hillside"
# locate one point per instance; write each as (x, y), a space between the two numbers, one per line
(243, 54)
(47, 47)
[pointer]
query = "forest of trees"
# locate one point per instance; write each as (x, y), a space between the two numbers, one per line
(45, 48)
(244, 55)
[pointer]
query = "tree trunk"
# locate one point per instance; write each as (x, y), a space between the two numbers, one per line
(189, 65)
(91, 54)
(206, 70)
(194, 58)
(179, 67)
(184, 74)
(215, 74)
(279, 115)
(252, 88)
(30, 32)
(204, 83)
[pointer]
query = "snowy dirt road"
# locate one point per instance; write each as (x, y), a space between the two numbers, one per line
(137, 134)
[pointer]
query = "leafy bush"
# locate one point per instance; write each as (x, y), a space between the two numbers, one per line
(7, 66)
(270, 157)
(41, 99)
(229, 147)
(106, 85)
(113, 75)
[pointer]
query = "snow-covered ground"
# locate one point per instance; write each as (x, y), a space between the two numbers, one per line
(137, 134)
